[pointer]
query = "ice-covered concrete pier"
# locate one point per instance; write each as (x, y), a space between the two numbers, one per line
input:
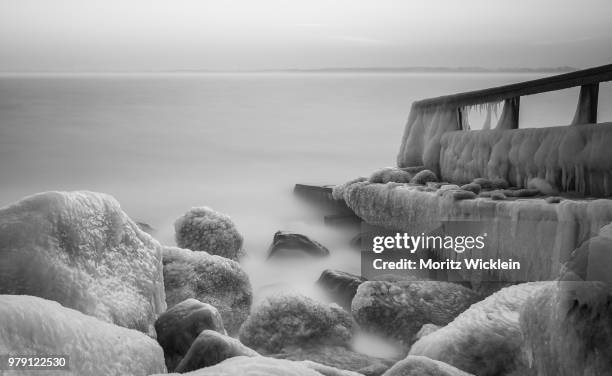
(538, 193)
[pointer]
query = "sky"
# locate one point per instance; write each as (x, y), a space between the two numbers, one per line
(146, 35)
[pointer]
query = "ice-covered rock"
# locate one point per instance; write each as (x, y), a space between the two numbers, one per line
(424, 177)
(423, 366)
(485, 339)
(81, 250)
(340, 286)
(179, 326)
(543, 186)
(390, 174)
(400, 309)
(204, 229)
(290, 244)
(425, 330)
(339, 357)
(285, 321)
(253, 366)
(327, 370)
(592, 261)
(567, 329)
(215, 280)
(33, 326)
(210, 348)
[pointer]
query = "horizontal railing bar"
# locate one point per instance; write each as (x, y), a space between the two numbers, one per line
(563, 81)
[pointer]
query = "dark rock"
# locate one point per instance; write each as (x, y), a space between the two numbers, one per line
(400, 309)
(289, 244)
(179, 326)
(423, 366)
(340, 286)
(215, 280)
(295, 321)
(210, 348)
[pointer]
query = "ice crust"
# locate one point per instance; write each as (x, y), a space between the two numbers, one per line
(35, 326)
(81, 250)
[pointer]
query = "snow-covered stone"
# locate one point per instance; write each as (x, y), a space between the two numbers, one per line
(81, 250)
(567, 329)
(284, 321)
(215, 280)
(485, 339)
(400, 309)
(253, 366)
(35, 326)
(204, 229)
(423, 366)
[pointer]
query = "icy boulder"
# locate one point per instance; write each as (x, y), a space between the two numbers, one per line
(295, 321)
(340, 286)
(31, 325)
(179, 326)
(567, 328)
(203, 229)
(400, 309)
(81, 250)
(215, 280)
(423, 366)
(486, 339)
(254, 366)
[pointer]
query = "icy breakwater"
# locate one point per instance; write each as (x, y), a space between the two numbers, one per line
(535, 231)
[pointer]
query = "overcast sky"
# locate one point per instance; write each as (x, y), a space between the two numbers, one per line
(118, 35)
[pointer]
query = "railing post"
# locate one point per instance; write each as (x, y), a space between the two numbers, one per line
(509, 118)
(586, 110)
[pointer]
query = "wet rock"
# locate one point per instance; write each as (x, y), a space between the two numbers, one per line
(340, 286)
(567, 329)
(289, 244)
(499, 183)
(253, 366)
(424, 177)
(400, 309)
(204, 229)
(553, 199)
(81, 250)
(33, 325)
(423, 366)
(486, 338)
(339, 357)
(472, 187)
(215, 280)
(285, 321)
(179, 326)
(459, 194)
(210, 348)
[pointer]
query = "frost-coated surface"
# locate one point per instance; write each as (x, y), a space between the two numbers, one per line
(570, 157)
(256, 366)
(204, 229)
(31, 325)
(423, 366)
(295, 320)
(81, 250)
(215, 280)
(485, 339)
(539, 234)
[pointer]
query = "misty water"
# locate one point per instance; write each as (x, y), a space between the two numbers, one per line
(163, 143)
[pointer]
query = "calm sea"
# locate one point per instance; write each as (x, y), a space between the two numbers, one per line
(162, 143)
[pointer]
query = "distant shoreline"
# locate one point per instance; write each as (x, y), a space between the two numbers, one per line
(356, 70)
